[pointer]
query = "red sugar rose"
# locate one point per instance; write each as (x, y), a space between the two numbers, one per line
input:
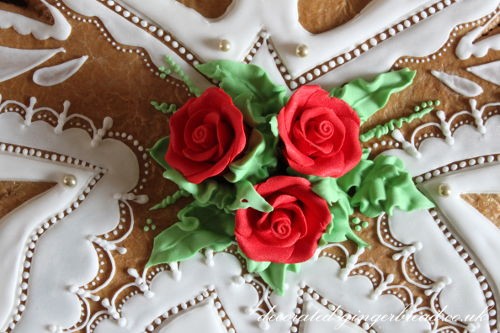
(206, 134)
(291, 232)
(320, 133)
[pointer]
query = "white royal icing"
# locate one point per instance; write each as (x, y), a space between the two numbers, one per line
(453, 247)
(54, 232)
(468, 46)
(23, 25)
(14, 62)
(489, 72)
(50, 76)
(460, 85)
(469, 165)
(369, 44)
(450, 273)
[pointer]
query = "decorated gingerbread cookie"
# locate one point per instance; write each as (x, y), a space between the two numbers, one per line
(249, 166)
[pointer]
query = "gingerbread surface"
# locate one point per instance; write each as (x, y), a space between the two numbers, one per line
(452, 153)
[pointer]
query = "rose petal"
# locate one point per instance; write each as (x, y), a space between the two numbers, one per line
(200, 156)
(255, 250)
(277, 184)
(222, 127)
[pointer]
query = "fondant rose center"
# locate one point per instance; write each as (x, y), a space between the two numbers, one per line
(325, 129)
(200, 134)
(282, 227)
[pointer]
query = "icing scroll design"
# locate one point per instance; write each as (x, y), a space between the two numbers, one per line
(150, 283)
(23, 25)
(290, 68)
(92, 181)
(468, 46)
(446, 126)
(14, 62)
(50, 76)
(462, 170)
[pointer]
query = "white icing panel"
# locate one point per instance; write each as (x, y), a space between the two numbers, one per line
(62, 243)
(365, 46)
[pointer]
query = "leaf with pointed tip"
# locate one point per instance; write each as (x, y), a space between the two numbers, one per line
(253, 92)
(387, 185)
(369, 97)
(225, 196)
(354, 177)
(257, 266)
(258, 160)
(275, 275)
(199, 227)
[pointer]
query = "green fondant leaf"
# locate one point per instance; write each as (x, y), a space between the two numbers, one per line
(199, 227)
(369, 97)
(340, 229)
(225, 196)
(252, 265)
(257, 266)
(295, 268)
(259, 158)
(252, 90)
(354, 177)
(275, 276)
(387, 185)
(247, 196)
(158, 152)
(328, 189)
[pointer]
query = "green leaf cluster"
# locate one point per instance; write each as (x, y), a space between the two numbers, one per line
(199, 227)
(373, 187)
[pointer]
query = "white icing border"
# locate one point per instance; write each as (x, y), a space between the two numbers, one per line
(90, 143)
(435, 160)
(159, 42)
